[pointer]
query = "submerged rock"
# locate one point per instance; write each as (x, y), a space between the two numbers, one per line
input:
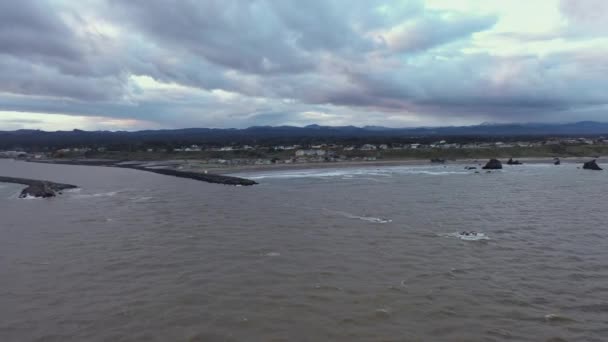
(514, 162)
(493, 164)
(592, 165)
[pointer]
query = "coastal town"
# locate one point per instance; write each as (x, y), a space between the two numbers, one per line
(243, 155)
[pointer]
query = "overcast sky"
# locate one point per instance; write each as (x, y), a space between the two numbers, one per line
(135, 64)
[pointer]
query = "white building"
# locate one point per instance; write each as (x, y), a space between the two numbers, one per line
(12, 154)
(311, 153)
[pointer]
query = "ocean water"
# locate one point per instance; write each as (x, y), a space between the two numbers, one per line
(358, 254)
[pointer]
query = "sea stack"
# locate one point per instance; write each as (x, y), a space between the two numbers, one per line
(493, 164)
(592, 165)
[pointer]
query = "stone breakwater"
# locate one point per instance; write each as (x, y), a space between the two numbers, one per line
(37, 188)
(204, 177)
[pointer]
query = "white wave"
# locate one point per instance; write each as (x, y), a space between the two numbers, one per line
(272, 254)
(30, 197)
(142, 199)
(363, 218)
(357, 173)
(101, 194)
(468, 236)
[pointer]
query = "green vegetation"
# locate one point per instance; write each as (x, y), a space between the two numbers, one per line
(389, 154)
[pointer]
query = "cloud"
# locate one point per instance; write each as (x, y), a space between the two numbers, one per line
(587, 15)
(31, 28)
(431, 31)
(237, 63)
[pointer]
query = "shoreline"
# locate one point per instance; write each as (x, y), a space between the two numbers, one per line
(388, 163)
(221, 174)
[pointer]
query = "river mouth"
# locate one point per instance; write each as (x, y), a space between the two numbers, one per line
(343, 255)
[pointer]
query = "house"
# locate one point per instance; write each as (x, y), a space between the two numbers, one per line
(13, 154)
(311, 153)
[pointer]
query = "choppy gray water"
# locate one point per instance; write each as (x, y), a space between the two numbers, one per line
(304, 256)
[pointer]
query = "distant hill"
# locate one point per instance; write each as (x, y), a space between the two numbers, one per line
(291, 134)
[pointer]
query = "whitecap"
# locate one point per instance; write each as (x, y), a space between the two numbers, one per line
(354, 172)
(374, 219)
(142, 199)
(101, 194)
(363, 218)
(272, 254)
(472, 236)
(557, 318)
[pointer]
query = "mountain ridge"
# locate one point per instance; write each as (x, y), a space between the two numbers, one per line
(292, 134)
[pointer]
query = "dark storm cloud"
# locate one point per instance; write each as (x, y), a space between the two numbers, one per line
(25, 78)
(29, 28)
(41, 55)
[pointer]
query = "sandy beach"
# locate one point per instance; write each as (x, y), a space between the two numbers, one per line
(384, 163)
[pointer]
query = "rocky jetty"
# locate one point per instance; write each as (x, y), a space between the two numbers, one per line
(592, 165)
(37, 188)
(513, 162)
(493, 164)
(204, 177)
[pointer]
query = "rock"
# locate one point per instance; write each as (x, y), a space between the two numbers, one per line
(592, 165)
(493, 164)
(438, 160)
(470, 168)
(37, 188)
(42, 189)
(556, 161)
(514, 162)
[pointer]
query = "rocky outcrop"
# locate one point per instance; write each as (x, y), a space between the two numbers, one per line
(38, 188)
(592, 165)
(438, 160)
(513, 162)
(493, 164)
